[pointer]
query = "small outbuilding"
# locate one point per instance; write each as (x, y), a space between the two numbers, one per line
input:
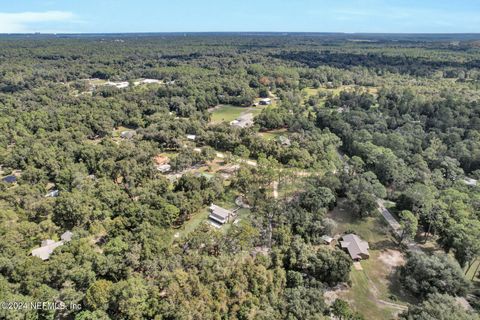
(265, 102)
(52, 194)
(164, 168)
(327, 239)
(356, 247)
(10, 179)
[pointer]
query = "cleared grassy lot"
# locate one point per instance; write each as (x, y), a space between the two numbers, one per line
(228, 113)
(375, 291)
(336, 91)
(273, 134)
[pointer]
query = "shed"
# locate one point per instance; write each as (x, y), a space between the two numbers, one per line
(191, 137)
(52, 194)
(265, 102)
(327, 239)
(164, 168)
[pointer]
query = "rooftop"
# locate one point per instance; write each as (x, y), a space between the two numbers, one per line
(49, 245)
(219, 214)
(9, 179)
(357, 248)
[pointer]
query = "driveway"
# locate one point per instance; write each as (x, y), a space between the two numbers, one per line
(397, 228)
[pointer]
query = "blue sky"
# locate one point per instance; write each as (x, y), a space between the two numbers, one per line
(90, 16)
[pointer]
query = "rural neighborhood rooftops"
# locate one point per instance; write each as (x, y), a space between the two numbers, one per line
(356, 247)
(219, 214)
(9, 179)
(49, 245)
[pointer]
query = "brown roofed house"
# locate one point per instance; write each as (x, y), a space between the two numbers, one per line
(356, 247)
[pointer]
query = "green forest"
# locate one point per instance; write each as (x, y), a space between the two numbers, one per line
(113, 149)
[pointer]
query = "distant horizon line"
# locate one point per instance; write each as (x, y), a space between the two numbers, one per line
(241, 32)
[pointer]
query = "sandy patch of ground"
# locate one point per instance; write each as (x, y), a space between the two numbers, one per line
(357, 266)
(337, 292)
(392, 258)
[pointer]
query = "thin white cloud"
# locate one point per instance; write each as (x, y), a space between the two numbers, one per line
(28, 21)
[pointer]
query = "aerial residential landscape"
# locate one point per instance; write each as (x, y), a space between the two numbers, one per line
(199, 169)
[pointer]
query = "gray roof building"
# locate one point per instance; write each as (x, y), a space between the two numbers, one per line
(356, 247)
(48, 246)
(220, 214)
(327, 239)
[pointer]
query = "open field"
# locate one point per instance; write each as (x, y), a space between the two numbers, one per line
(273, 134)
(336, 91)
(228, 113)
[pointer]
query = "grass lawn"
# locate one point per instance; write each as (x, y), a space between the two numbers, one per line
(375, 290)
(336, 91)
(190, 225)
(311, 91)
(273, 134)
(228, 113)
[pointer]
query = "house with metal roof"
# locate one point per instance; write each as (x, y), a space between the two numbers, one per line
(48, 246)
(356, 247)
(220, 215)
